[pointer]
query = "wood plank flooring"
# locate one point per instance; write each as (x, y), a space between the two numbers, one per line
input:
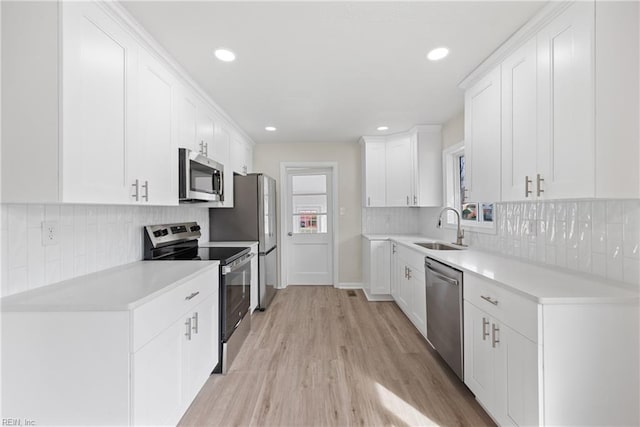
(318, 357)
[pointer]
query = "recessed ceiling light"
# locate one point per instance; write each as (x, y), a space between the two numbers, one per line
(270, 128)
(225, 55)
(383, 127)
(438, 53)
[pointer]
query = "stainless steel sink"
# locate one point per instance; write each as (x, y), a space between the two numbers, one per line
(438, 246)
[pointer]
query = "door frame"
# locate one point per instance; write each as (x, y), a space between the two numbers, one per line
(284, 184)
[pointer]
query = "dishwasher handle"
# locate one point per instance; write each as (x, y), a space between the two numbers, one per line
(449, 280)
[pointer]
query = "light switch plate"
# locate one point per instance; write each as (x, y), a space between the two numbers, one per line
(49, 233)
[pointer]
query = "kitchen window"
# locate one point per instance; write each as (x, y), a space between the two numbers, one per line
(477, 215)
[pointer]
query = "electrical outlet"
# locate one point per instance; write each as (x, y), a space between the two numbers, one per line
(49, 233)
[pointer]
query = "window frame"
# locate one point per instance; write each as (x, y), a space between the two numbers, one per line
(451, 193)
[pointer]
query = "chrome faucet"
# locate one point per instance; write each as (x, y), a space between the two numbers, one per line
(460, 234)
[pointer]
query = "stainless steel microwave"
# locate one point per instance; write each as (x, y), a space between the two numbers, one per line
(201, 179)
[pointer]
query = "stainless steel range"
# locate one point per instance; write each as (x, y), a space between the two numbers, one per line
(179, 242)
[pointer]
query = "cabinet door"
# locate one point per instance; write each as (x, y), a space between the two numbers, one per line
(375, 174)
(98, 101)
(238, 156)
(478, 355)
(519, 109)
(202, 354)
(154, 159)
(380, 266)
(404, 287)
(157, 378)
(418, 301)
(396, 273)
(482, 139)
(516, 370)
(399, 164)
(565, 98)
(205, 128)
(187, 115)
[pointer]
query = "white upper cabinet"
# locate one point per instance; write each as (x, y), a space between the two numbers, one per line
(99, 70)
(374, 171)
(111, 110)
(569, 108)
(403, 169)
(155, 159)
(519, 110)
(241, 155)
(482, 138)
(187, 117)
(399, 167)
(565, 104)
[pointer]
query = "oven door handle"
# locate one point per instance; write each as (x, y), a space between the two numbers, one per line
(230, 268)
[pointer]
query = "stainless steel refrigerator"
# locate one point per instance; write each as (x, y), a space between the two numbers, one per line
(253, 218)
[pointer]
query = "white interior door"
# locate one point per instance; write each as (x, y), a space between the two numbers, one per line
(309, 226)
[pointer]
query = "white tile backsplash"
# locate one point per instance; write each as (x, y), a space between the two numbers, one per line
(390, 220)
(600, 237)
(91, 238)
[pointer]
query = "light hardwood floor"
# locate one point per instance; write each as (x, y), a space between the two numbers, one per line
(318, 357)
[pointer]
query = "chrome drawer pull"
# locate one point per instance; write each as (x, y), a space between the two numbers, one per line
(485, 332)
(192, 296)
(194, 327)
(489, 299)
(494, 338)
(187, 334)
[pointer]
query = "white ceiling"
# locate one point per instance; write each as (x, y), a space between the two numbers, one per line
(331, 71)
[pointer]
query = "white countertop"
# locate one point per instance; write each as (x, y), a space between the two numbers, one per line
(543, 285)
(117, 289)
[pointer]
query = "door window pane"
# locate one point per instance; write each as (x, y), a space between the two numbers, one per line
(309, 223)
(309, 184)
(317, 203)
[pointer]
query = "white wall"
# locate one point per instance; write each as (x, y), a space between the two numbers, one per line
(267, 159)
(453, 130)
(91, 238)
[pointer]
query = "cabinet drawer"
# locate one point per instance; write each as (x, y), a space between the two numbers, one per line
(518, 312)
(154, 317)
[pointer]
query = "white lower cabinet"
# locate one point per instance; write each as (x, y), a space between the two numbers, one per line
(129, 367)
(411, 286)
(550, 364)
(376, 266)
(500, 368)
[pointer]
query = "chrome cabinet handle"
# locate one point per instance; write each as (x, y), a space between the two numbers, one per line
(194, 326)
(146, 191)
(415, 200)
(494, 335)
(368, 201)
(136, 195)
(408, 273)
(393, 248)
(485, 332)
(527, 181)
(489, 299)
(202, 147)
(206, 149)
(190, 297)
(539, 180)
(290, 234)
(464, 195)
(187, 334)
(407, 200)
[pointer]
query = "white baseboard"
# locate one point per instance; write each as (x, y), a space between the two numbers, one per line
(349, 285)
(375, 298)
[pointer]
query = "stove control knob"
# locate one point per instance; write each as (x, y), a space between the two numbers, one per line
(157, 233)
(164, 231)
(195, 228)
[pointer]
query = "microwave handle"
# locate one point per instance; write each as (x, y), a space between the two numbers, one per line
(221, 186)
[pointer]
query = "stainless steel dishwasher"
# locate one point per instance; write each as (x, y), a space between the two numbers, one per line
(444, 312)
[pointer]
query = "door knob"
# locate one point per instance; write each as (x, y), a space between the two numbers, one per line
(289, 234)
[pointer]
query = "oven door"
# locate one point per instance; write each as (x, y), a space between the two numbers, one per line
(236, 294)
